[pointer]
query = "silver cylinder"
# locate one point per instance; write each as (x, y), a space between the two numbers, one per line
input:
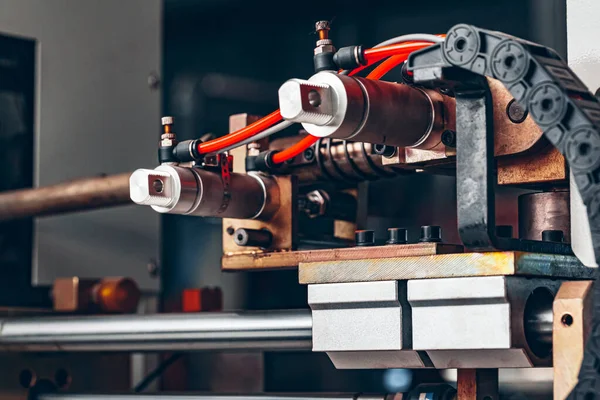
(198, 192)
(273, 330)
(365, 110)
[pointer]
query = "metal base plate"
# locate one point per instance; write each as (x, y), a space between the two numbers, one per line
(443, 266)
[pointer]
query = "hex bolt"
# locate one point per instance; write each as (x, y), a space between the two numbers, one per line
(449, 138)
(516, 112)
(431, 234)
(364, 238)
(397, 236)
(552, 235)
(309, 154)
(384, 150)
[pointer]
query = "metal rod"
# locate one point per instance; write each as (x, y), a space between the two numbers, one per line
(74, 396)
(77, 195)
(272, 330)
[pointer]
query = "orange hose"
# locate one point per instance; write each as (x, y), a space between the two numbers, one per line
(294, 149)
(215, 145)
(398, 52)
(377, 53)
(388, 65)
(399, 56)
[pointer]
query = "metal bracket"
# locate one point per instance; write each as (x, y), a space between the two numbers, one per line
(558, 102)
(475, 170)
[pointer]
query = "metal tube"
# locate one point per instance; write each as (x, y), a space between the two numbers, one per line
(74, 396)
(203, 193)
(273, 330)
(77, 195)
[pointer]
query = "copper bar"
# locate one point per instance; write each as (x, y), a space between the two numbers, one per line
(477, 384)
(383, 267)
(77, 195)
(257, 261)
(572, 321)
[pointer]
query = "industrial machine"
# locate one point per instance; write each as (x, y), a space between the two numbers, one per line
(508, 118)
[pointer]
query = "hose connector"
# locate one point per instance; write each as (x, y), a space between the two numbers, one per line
(324, 50)
(350, 57)
(187, 151)
(168, 140)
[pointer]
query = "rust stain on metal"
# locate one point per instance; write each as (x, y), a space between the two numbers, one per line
(544, 166)
(286, 259)
(572, 310)
(413, 267)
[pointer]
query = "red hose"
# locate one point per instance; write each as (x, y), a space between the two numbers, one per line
(215, 145)
(294, 149)
(388, 65)
(377, 73)
(399, 53)
(377, 53)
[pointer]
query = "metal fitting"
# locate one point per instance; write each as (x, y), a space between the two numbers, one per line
(316, 203)
(322, 26)
(194, 191)
(343, 107)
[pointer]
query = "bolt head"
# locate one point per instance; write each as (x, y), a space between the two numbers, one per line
(322, 25)
(516, 112)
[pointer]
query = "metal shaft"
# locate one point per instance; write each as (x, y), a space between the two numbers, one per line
(273, 330)
(77, 195)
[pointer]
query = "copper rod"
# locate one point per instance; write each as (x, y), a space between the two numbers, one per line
(77, 195)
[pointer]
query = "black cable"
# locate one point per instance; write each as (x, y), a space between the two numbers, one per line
(157, 372)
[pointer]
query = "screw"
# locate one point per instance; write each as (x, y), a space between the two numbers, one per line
(322, 28)
(516, 113)
(430, 233)
(309, 154)
(153, 81)
(153, 268)
(552, 235)
(364, 238)
(397, 236)
(449, 138)
(384, 150)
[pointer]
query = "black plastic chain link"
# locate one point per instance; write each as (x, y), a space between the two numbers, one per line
(558, 102)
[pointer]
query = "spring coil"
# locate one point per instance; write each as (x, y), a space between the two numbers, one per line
(337, 173)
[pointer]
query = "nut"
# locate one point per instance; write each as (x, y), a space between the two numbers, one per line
(328, 48)
(166, 120)
(318, 203)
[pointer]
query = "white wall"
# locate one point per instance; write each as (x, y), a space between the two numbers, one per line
(95, 114)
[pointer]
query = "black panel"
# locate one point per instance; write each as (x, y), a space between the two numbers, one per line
(17, 101)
